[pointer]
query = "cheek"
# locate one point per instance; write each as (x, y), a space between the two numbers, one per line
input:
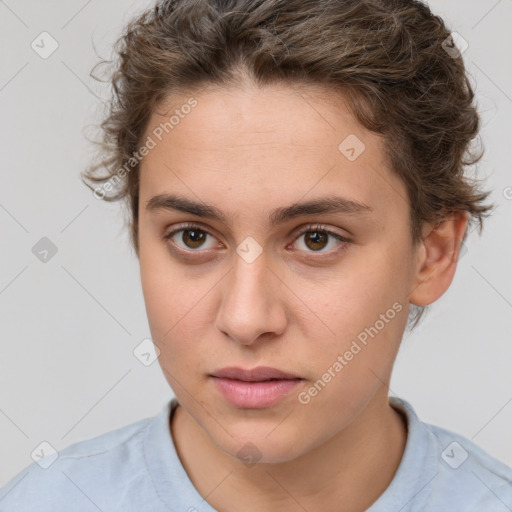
(365, 286)
(363, 311)
(171, 322)
(173, 306)
(178, 309)
(165, 291)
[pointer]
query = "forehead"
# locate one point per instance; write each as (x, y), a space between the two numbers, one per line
(256, 149)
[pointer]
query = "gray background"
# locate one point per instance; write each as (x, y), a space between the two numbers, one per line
(70, 325)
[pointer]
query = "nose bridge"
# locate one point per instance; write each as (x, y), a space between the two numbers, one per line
(249, 305)
(247, 275)
(250, 270)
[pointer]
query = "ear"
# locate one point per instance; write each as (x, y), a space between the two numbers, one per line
(437, 258)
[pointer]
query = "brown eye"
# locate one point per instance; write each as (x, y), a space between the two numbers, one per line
(317, 238)
(191, 238)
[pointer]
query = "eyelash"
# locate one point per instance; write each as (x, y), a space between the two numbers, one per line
(309, 228)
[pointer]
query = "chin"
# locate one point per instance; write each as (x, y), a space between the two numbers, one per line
(260, 447)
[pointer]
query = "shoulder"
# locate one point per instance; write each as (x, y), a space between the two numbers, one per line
(443, 470)
(82, 475)
(471, 474)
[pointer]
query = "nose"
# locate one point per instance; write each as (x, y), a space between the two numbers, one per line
(251, 304)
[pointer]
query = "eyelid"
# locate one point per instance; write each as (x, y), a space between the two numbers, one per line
(319, 227)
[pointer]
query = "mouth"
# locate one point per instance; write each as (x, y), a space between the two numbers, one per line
(258, 388)
(259, 374)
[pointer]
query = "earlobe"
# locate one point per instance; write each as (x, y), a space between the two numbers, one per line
(437, 258)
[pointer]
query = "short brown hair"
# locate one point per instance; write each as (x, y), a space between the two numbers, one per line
(388, 57)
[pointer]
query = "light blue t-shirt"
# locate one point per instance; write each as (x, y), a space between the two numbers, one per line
(136, 468)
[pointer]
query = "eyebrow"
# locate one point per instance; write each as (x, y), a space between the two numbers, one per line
(330, 204)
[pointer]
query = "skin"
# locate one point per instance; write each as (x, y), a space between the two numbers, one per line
(247, 151)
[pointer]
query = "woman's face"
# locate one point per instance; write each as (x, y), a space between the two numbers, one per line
(255, 287)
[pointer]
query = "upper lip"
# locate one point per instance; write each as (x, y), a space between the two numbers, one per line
(253, 375)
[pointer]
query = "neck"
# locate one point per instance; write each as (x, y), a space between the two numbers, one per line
(348, 472)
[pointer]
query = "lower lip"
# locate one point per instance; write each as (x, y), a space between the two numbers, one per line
(255, 395)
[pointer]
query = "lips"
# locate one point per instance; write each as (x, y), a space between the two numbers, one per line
(259, 374)
(257, 388)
